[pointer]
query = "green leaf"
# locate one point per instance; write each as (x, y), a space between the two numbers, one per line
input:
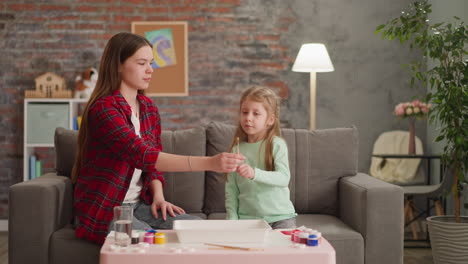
(402, 39)
(377, 30)
(419, 76)
(428, 97)
(438, 25)
(439, 138)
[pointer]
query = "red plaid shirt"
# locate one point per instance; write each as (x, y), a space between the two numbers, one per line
(113, 153)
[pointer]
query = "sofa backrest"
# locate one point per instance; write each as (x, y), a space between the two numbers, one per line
(185, 189)
(317, 159)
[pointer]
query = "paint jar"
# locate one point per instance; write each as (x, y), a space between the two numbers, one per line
(160, 238)
(319, 237)
(294, 233)
(135, 237)
(312, 241)
(297, 238)
(141, 234)
(149, 238)
(303, 237)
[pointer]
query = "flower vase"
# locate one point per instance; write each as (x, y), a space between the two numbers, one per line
(412, 142)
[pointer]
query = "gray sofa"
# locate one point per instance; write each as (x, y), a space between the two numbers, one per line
(361, 216)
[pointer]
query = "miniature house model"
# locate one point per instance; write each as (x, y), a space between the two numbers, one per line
(49, 85)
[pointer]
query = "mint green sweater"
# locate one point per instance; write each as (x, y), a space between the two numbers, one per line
(267, 195)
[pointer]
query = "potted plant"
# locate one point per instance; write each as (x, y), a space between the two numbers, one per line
(446, 45)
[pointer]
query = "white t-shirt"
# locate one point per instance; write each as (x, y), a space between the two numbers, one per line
(134, 189)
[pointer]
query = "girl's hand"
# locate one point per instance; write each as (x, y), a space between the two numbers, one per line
(165, 207)
(227, 162)
(246, 171)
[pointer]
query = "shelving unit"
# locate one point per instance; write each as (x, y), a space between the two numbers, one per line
(42, 116)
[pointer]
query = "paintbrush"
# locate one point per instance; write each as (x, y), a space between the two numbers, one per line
(238, 149)
(234, 247)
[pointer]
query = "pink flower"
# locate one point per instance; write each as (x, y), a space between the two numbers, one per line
(399, 111)
(416, 102)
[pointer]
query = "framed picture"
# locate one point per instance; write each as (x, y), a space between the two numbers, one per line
(169, 39)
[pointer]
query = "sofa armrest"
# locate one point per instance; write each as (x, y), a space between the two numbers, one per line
(374, 208)
(38, 208)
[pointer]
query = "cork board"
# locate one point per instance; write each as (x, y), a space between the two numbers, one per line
(170, 75)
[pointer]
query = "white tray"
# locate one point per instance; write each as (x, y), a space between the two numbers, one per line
(221, 231)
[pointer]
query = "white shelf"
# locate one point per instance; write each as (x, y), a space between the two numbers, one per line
(56, 100)
(29, 147)
(39, 145)
(3, 225)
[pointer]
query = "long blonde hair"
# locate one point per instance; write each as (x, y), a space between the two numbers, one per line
(118, 49)
(271, 103)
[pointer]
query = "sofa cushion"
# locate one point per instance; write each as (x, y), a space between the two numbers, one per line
(289, 135)
(65, 247)
(219, 137)
(65, 150)
(348, 243)
(185, 189)
(322, 158)
(216, 216)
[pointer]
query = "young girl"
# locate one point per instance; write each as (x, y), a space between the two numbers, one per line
(259, 187)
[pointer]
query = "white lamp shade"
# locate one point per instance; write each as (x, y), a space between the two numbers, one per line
(313, 57)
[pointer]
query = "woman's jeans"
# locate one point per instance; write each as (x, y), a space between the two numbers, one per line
(143, 218)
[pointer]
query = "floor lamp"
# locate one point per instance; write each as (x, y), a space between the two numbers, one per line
(313, 58)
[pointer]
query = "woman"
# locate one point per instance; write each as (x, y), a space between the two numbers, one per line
(120, 157)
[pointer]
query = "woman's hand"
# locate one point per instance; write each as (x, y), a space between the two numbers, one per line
(227, 162)
(246, 171)
(165, 207)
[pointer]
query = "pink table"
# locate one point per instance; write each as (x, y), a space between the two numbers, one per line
(277, 249)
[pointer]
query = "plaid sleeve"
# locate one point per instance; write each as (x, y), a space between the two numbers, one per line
(110, 126)
(146, 193)
(149, 176)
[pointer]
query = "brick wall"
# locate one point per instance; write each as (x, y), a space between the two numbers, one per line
(232, 44)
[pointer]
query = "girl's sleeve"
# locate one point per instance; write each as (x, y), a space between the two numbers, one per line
(281, 175)
(232, 198)
(110, 126)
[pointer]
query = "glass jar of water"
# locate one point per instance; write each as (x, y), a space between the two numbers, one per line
(123, 216)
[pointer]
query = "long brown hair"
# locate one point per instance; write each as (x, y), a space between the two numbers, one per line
(118, 49)
(270, 101)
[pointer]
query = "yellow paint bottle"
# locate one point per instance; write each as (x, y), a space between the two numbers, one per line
(160, 238)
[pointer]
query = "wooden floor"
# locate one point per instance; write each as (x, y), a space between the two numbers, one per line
(412, 255)
(3, 247)
(418, 256)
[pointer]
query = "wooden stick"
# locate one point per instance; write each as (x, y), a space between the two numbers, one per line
(233, 247)
(238, 150)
